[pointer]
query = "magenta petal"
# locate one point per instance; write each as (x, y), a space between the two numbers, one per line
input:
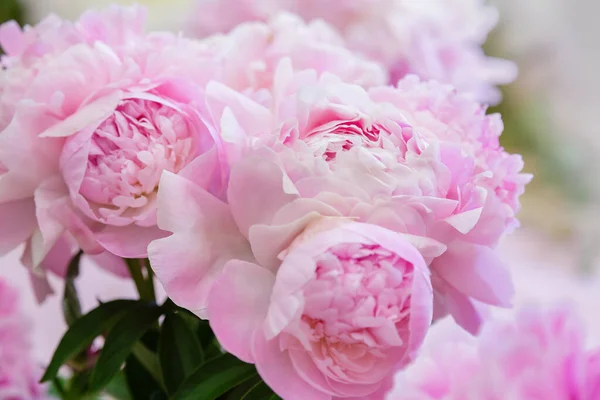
(477, 272)
(278, 371)
(237, 306)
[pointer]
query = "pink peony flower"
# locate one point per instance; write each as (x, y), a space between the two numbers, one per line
(104, 110)
(538, 355)
(438, 39)
(346, 307)
(418, 160)
(325, 307)
(248, 56)
(18, 374)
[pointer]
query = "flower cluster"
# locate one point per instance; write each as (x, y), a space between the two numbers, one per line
(18, 373)
(439, 39)
(318, 218)
(540, 354)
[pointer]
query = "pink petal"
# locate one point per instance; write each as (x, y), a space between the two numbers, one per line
(477, 272)
(90, 115)
(464, 310)
(129, 241)
(278, 371)
(256, 191)
(18, 223)
(29, 159)
(204, 238)
(111, 263)
(268, 241)
(237, 306)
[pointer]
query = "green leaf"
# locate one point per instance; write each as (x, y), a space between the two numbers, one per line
(260, 391)
(142, 386)
(215, 378)
(84, 331)
(70, 303)
(117, 388)
(149, 361)
(120, 341)
(179, 351)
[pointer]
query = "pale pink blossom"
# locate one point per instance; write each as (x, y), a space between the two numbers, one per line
(248, 55)
(19, 375)
(348, 305)
(438, 39)
(325, 307)
(415, 164)
(537, 354)
(104, 109)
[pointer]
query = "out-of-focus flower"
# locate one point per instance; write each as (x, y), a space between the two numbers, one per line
(540, 353)
(248, 56)
(19, 375)
(438, 39)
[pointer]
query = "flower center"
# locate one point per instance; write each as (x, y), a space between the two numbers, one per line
(360, 293)
(128, 153)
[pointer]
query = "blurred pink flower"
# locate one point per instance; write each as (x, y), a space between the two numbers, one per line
(107, 108)
(540, 353)
(437, 39)
(248, 56)
(19, 375)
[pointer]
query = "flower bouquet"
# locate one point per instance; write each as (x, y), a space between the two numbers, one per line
(311, 196)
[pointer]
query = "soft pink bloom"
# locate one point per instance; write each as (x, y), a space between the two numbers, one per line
(418, 159)
(103, 110)
(438, 39)
(325, 307)
(248, 56)
(19, 375)
(539, 354)
(347, 305)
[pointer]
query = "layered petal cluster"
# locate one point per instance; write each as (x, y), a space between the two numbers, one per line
(249, 54)
(93, 111)
(540, 354)
(100, 110)
(19, 375)
(438, 39)
(417, 159)
(332, 191)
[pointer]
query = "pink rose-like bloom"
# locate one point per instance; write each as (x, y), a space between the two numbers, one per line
(325, 307)
(346, 307)
(19, 375)
(418, 159)
(438, 39)
(104, 110)
(540, 354)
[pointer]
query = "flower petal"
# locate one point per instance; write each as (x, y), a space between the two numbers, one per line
(237, 306)
(204, 238)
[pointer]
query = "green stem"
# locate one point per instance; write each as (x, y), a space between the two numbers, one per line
(150, 279)
(135, 270)
(58, 386)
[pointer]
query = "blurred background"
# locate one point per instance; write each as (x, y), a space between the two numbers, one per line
(551, 116)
